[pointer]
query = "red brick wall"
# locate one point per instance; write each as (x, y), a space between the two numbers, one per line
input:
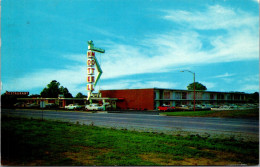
(140, 99)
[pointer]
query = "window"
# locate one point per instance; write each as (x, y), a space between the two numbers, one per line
(190, 95)
(237, 97)
(166, 95)
(206, 96)
(177, 95)
(198, 95)
(220, 96)
(228, 96)
(184, 95)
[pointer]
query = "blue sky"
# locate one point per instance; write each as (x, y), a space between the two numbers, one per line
(147, 43)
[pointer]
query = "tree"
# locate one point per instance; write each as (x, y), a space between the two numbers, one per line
(65, 92)
(8, 101)
(253, 98)
(80, 95)
(198, 86)
(34, 96)
(53, 89)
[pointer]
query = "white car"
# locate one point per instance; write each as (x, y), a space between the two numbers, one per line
(93, 107)
(72, 107)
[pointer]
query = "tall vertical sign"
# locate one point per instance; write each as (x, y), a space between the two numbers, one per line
(90, 71)
(92, 66)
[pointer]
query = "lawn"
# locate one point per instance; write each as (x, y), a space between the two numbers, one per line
(252, 113)
(36, 142)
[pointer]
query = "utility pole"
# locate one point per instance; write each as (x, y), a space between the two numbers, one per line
(194, 96)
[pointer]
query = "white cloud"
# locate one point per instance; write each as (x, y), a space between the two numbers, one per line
(235, 46)
(239, 39)
(175, 49)
(250, 88)
(70, 77)
(224, 75)
(161, 52)
(209, 85)
(214, 17)
(250, 78)
(134, 84)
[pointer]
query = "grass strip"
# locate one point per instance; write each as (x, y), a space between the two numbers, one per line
(47, 143)
(252, 113)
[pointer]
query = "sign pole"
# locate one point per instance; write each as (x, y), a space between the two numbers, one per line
(92, 62)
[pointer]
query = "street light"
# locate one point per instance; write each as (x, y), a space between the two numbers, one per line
(193, 87)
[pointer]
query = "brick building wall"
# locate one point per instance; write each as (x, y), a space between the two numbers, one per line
(139, 99)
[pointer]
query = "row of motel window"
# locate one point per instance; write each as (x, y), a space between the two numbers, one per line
(201, 95)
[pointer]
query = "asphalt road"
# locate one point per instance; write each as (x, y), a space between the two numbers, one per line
(209, 126)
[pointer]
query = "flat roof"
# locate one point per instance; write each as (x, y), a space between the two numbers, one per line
(155, 88)
(93, 98)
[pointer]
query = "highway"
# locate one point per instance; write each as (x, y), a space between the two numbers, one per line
(205, 126)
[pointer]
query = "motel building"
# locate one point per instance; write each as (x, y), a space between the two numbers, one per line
(146, 99)
(151, 98)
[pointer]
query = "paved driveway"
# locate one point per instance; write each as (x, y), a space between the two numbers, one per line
(205, 126)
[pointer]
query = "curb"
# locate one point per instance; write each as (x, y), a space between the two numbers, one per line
(102, 112)
(161, 114)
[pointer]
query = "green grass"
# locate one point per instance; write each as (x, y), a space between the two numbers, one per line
(36, 142)
(253, 113)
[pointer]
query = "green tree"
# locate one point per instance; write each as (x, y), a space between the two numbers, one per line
(198, 86)
(34, 96)
(8, 101)
(253, 98)
(53, 89)
(65, 92)
(80, 95)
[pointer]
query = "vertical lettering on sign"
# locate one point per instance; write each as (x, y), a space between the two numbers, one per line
(90, 70)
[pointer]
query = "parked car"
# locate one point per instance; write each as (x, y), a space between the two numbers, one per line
(197, 107)
(72, 107)
(19, 104)
(207, 106)
(183, 107)
(32, 105)
(221, 108)
(93, 107)
(165, 108)
(51, 105)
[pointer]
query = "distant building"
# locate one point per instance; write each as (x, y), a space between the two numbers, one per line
(151, 98)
